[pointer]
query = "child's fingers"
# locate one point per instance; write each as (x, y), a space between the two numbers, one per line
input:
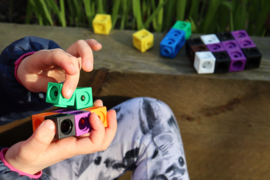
(41, 139)
(98, 103)
(95, 45)
(83, 49)
(110, 131)
(46, 59)
(94, 142)
(70, 85)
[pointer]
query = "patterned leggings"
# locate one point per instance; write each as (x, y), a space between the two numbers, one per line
(147, 142)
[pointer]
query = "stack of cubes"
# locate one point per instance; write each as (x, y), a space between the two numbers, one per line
(74, 119)
(223, 52)
(175, 39)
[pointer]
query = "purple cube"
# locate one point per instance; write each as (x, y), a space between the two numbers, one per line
(245, 43)
(240, 34)
(81, 118)
(238, 60)
(217, 47)
(230, 45)
(243, 39)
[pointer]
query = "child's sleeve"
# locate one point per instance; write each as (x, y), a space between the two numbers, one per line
(16, 102)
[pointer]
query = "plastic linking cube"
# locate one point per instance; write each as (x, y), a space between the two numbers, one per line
(175, 39)
(143, 40)
(232, 51)
(102, 24)
(74, 120)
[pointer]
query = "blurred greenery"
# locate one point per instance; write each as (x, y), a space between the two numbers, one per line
(206, 16)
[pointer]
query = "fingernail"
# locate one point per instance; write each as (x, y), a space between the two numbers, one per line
(69, 93)
(48, 124)
(72, 67)
(88, 65)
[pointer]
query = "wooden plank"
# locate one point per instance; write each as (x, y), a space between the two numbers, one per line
(118, 53)
(225, 123)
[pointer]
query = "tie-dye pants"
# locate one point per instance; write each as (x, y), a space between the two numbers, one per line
(147, 142)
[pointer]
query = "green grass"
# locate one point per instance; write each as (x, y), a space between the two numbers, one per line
(206, 16)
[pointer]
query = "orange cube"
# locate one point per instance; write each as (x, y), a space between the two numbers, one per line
(37, 119)
(101, 112)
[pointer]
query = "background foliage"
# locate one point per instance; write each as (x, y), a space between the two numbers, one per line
(206, 16)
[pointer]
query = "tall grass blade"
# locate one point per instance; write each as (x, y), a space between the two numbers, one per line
(29, 12)
(260, 23)
(194, 10)
(153, 6)
(160, 17)
(125, 13)
(100, 8)
(115, 11)
(180, 12)
(46, 11)
(154, 14)
(144, 11)
(137, 13)
(37, 12)
(62, 14)
(87, 7)
(208, 23)
(169, 14)
(240, 14)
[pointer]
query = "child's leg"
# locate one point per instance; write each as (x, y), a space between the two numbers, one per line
(147, 142)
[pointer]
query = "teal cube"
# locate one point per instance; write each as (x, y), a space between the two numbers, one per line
(54, 96)
(83, 98)
(184, 26)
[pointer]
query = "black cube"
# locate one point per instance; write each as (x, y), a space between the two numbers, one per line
(223, 62)
(192, 42)
(253, 56)
(225, 36)
(65, 125)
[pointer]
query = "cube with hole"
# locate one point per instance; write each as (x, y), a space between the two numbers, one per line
(234, 51)
(143, 40)
(102, 24)
(74, 119)
(172, 43)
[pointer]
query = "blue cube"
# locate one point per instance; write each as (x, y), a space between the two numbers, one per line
(172, 43)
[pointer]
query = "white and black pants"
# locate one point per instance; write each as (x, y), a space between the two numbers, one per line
(147, 142)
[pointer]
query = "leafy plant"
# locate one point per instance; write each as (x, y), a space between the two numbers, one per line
(206, 16)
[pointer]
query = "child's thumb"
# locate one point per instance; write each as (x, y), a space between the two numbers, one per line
(42, 137)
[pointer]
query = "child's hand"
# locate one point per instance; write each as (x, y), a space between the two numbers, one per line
(56, 65)
(39, 152)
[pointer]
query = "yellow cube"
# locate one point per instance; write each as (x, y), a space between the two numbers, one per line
(102, 24)
(143, 40)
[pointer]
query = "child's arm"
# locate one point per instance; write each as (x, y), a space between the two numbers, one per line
(16, 102)
(33, 73)
(19, 101)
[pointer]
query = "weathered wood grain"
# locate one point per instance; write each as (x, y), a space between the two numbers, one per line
(118, 53)
(224, 118)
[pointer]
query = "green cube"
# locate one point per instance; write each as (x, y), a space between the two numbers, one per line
(184, 26)
(54, 96)
(83, 98)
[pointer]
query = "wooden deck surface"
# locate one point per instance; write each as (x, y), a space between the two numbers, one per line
(224, 118)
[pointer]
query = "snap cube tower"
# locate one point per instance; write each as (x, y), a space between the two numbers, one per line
(143, 40)
(175, 39)
(73, 120)
(102, 24)
(233, 51)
